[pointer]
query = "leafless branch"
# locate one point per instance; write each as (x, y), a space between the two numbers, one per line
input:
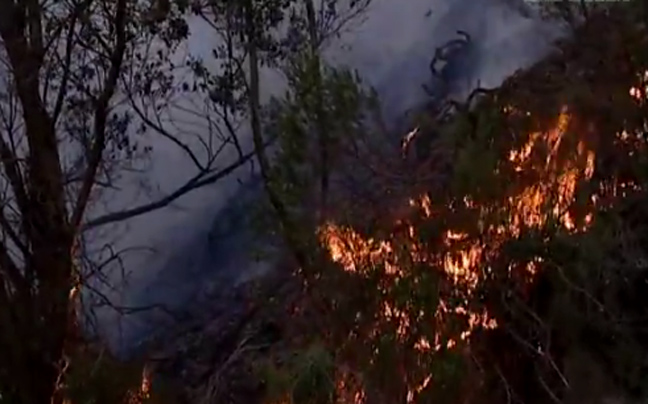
(101, 113)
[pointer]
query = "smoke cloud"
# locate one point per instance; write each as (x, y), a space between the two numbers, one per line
(201, 243)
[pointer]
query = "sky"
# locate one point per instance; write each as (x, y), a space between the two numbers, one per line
(391, 47)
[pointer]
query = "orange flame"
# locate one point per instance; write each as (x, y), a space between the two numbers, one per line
(551, 165)
(550, 196)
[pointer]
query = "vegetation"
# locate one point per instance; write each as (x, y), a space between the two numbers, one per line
(504, 260)
(81, 86)
(507, 270)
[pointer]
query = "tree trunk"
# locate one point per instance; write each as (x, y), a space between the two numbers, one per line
(39, 341)
(323, 136)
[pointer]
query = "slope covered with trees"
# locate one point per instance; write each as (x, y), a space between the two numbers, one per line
(496, 252)
(506, 263)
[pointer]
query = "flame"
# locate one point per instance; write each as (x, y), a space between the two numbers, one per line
(548, 167)
(145, 386)
(407, 140)
(557, 177)
(143, 393)
(460, 265)
(424, 203)
(350, 249)
(349, 388)
(411, 394)
(640, 91)
(551, 195)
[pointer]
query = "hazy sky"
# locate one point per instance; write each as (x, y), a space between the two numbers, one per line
(392, 49)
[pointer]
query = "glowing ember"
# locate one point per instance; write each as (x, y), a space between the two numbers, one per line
(639, 91)
(143, 394)
(418, 389)
(424, 203)
(349, 389)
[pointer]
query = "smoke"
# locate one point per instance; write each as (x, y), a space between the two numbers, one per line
(391, 49)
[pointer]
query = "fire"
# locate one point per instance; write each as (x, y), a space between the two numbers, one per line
(349, 389)
(640, 90)
(548, 169)
(350, 249)
(551, 195)
(418, 389)
(559, 178)
(407, 140)
(145, 386)
(460, 266)
(424, 203)
(143, 394)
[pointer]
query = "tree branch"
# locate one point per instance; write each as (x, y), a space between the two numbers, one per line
(166, 134)
(69, 45)
(196, 182)
(101, 115)
(15, 238)
(12, 171)
(11, 270)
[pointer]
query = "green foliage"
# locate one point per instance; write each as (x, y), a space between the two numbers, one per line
(474, 168)
(306, 377)
(100, 378)
(337, 107)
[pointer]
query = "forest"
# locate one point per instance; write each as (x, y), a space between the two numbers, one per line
(488, 247)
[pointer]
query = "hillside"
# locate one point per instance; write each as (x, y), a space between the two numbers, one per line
(504, 261)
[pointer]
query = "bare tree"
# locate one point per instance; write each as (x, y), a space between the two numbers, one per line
(76, 79)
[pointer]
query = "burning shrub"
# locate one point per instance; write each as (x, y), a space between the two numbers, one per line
(481, 289)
